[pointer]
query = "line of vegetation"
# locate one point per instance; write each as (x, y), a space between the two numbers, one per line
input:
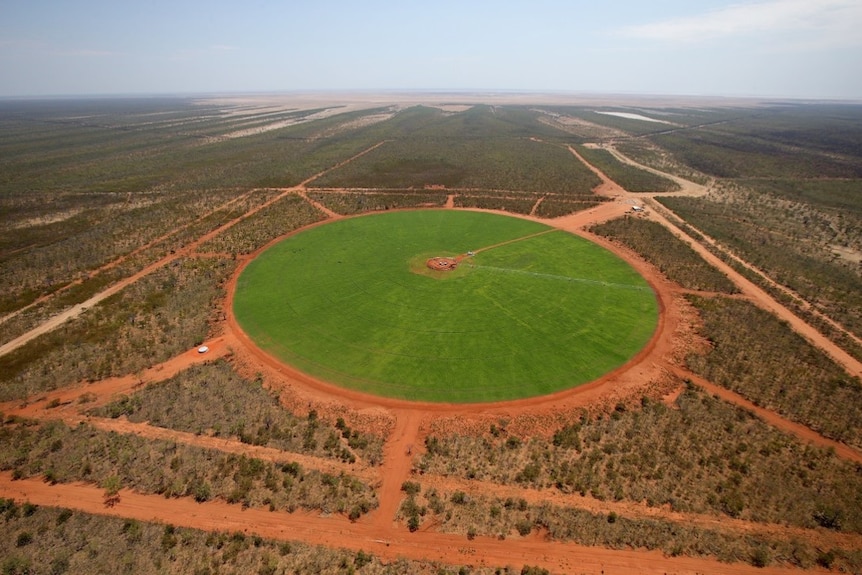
(678, 261)
(95, 282)
(286, 215)
(482, 148)
(821, 324)
(356, 202)
(781, 250)
(42, 311)
(758, 356)
(740, 152)
(631, 178)
(148, 322)
(701, 455)
(107, 156)
(57, 541)
(212, 399)
(838, 197)
(61, 455)
(506, 203)
(552, 207)
(647, 153)
(487, 515)
(811, 316)
(79, 244)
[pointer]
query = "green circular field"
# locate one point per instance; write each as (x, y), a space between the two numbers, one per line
(533, 311)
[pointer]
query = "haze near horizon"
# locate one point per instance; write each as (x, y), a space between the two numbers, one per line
(764, 49)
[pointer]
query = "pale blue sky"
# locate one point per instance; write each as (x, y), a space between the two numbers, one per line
(764, 48)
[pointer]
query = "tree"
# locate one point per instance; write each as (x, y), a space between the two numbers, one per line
(112, 486)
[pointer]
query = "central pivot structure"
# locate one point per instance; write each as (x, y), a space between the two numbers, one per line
(442, 264)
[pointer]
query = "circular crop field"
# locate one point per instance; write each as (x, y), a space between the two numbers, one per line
(445, 306)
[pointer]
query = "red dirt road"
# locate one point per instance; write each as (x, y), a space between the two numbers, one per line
(806, 434)
(759, 296)
(104, 391)
(71, 313)
(338, 532)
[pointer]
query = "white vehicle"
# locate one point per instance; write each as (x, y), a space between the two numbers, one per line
(203, 349)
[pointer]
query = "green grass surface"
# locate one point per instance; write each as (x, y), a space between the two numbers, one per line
(351, 303)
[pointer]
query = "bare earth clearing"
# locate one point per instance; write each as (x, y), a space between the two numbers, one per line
(406, 424)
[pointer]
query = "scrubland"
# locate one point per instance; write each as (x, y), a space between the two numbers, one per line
(93, 192)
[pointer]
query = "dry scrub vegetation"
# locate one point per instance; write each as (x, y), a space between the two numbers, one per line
(61, 454)
(543, 206)
(483, 148)
(760, 357)
(41, 258)
(56, 541)
(479, 514)
(212, 399)
(649, 154)
(629, 177)
(554, 206)
(792, 243)
(700, 455)
(667, 253)
(283, 216)
(358, 201)
(150, 321)
(502, 202)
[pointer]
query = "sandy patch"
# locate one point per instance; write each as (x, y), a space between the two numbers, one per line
(254, 115)
(577, 126)
(355, 124)
(451, 108)
(630, 116)
(846, 253)
(44, 220)
(261, 129)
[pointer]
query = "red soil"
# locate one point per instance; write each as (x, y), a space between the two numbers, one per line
(441, 264)
(382, 540)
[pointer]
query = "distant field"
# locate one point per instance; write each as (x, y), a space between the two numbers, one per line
(507, 151)
(352, 302)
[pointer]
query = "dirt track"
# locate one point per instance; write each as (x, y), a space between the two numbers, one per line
(76, 310)
(406, 425)
(387, 543)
